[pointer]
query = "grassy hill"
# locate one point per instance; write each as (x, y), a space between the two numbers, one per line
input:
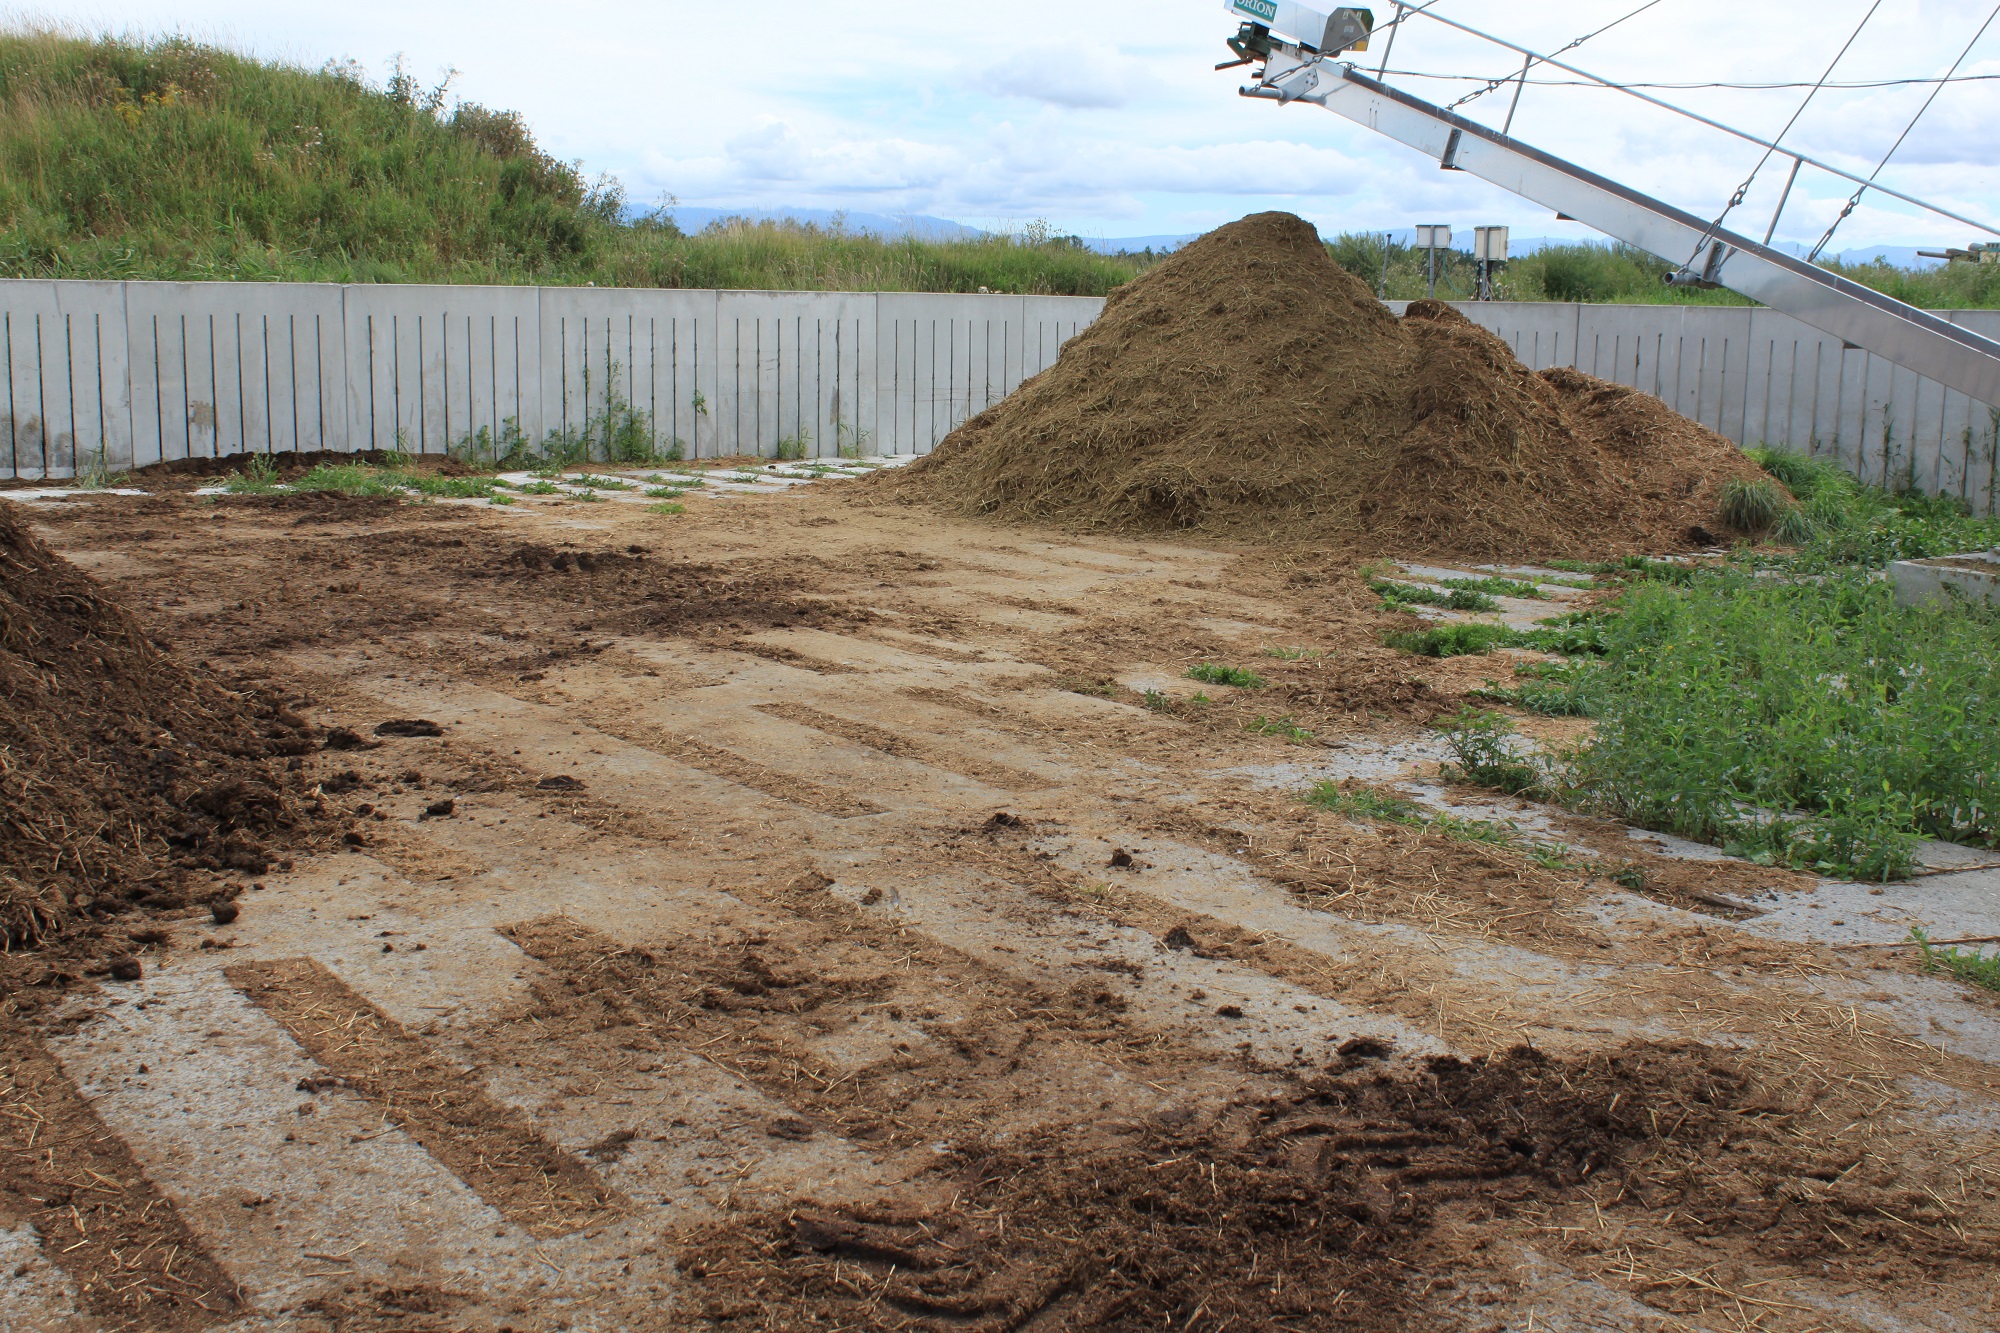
(172, 160)
(167, 159)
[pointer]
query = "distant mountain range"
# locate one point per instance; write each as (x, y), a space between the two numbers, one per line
(928, 228)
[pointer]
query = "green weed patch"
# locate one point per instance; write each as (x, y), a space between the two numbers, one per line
(1459, 639)
(1211, 673)
(1976, 968)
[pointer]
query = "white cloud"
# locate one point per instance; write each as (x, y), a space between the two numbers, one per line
(1058, 76)
(1105, 117)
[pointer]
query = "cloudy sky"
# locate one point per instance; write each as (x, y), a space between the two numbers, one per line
(1106, 118)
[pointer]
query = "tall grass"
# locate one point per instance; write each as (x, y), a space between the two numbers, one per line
(171, 160)
(1627, 275)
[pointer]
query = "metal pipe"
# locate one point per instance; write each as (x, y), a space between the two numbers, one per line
(1771, 230)
(1385, 266)
(1395, 27)
(1986, 227)
(1519, 84)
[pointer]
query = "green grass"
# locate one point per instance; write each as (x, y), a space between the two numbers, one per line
(1553, 689)
(1496, 587)
(1976, 968)
(1839, 522)
(667, 508)
(347, 479)
(172, 160)
(258, 477)
(541, 488)
(1395, 596)
(1294, 654)
(1374, 803)
(1210, 673)
(1628, 275)
(1798, 718)
(665, 492)
(1282, 727)
(1459, 639)
(1781, 707)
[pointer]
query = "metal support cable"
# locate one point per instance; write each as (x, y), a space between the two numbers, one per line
(1743, 190)
(1522, 77)
(1849, 208)
(1700, 119)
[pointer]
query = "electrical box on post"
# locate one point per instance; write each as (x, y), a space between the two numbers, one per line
(1489, 244)
(1437, 237)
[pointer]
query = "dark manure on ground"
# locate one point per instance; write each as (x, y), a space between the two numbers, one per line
(121, 769)
(1345, 1206)
(1251, 389)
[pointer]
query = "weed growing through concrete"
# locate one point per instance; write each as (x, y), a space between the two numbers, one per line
(1976, 968)
(1497, 587)
(1488, 754)
(1374, 803)
(541, 488)
(1396, 596)
(1460, 639)
(1553, 689)
(1211, 673)
(1282, 727)
(258, 477)
(665, 492)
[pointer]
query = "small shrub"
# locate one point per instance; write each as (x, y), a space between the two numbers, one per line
(1210, 673)
(1753, 507)
(1483, 744)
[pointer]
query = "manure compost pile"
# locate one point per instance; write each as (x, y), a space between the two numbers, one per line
(1252, 389)
(121, 770)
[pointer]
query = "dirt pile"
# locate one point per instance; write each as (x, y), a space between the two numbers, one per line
(120, 768)
(1250, 388)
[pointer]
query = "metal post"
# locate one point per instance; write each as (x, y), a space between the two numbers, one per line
(1519, 84)
(1385, 266)
(1773, 228)
(1390, 45)
(1431, 271)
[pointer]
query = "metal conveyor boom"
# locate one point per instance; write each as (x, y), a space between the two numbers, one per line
(1859, 316)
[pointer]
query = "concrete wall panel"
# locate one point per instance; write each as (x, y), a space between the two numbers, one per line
(140, 372)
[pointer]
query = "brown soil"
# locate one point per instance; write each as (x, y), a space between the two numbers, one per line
(799, 916)
(1250, 388)
(121, 768)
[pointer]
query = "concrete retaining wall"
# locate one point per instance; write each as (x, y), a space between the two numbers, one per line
(139, 372)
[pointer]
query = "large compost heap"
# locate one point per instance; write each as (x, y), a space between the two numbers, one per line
(1252, 389)
(122, 771)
